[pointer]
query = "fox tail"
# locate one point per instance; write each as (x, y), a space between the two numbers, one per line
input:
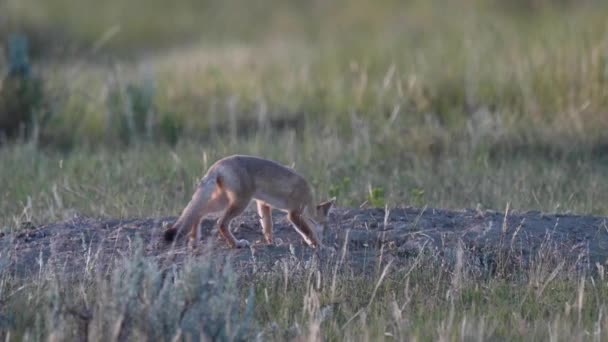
(192, 214)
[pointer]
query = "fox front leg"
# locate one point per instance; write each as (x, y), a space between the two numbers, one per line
(264, 211)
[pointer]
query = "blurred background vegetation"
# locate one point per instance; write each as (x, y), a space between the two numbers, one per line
(440, 103)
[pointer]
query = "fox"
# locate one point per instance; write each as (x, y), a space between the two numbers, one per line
(231, 183)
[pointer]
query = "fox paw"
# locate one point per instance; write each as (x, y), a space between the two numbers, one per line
(241, 243)
(192, 244)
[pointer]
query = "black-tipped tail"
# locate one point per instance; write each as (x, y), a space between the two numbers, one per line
(170, 234)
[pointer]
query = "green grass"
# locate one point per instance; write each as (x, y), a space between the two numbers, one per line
(458, 104)
(155, 180)
(444, 75)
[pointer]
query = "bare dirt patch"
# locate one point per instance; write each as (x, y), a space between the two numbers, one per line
(94, 244)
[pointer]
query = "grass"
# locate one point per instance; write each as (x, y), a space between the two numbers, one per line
(459, 104)
(436, 73)
(151, 180)
(434, 295)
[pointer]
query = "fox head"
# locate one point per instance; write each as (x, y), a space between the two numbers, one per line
(318, 216)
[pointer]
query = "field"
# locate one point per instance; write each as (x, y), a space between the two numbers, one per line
(499, 107)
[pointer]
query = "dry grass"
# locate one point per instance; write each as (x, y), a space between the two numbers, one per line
(438, 295)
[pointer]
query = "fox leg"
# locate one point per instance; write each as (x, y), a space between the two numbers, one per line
(234, 209)
(265, 220)
(207, 198)
(303, 228)
(217, 202)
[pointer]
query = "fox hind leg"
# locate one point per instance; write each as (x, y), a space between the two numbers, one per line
(264, 211)
(217, 202)
(303, 228)
(234, 209)
(207, 198)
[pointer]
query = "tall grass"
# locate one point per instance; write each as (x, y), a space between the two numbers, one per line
(423, 76)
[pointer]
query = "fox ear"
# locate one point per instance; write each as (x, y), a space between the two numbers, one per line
(324, 207)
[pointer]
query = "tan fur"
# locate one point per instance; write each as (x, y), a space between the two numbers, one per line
(231, 183)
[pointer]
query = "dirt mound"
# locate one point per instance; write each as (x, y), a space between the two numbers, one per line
(95, 244)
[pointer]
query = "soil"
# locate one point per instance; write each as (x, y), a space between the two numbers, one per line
(402, 233)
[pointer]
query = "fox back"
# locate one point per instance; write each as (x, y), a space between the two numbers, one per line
(278, 185)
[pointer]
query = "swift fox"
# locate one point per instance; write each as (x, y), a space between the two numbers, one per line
(231, 183)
